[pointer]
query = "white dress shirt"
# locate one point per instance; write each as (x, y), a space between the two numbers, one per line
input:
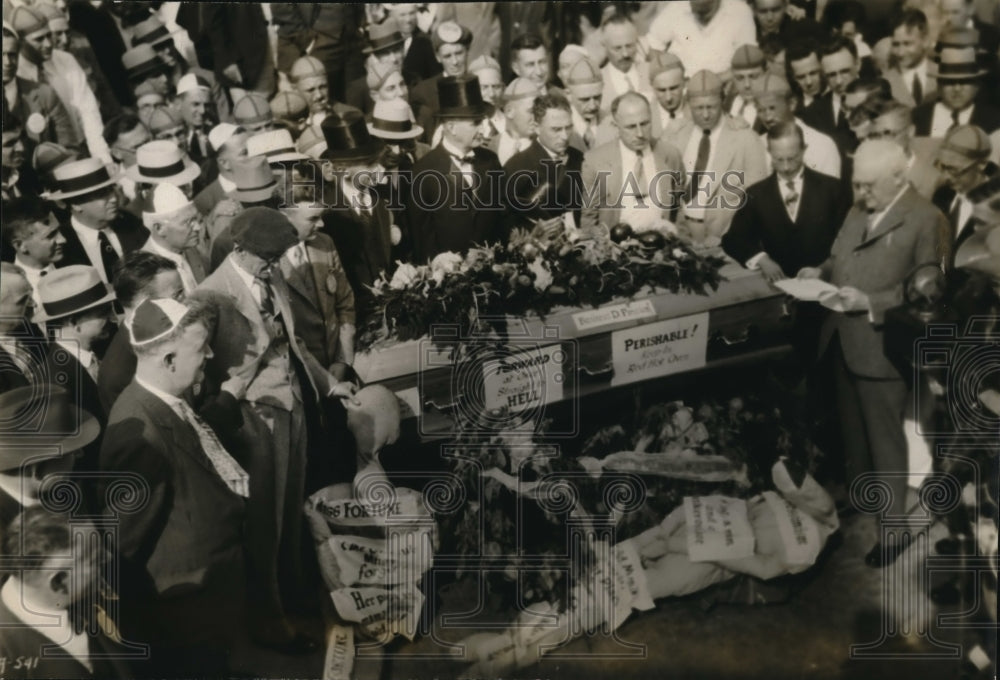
(745, 108)
(88, 238)
(964, 212)
(188, 280)
(33, 275)
(86, 358)
(792, 209)
(64, 75)
(252, 283)
(920, 71)
(507, 146)
(638, 211)
(463, 166)
(700, 47)
(691, 150)
(52, 623)
(942, 121)
(10, 93)
(821, 152)
(227, 185)
(619, 82)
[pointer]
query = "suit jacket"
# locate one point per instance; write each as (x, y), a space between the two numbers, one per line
(425, 94)
(127, 227)
(241, 343)
(321, 299)
(209, 197)
(22, 640)
(763, 224)
(420, 59)
(985, 116)
(191, 528)
(604, 182)
(40, 98)
(924, 177)
(449, 216)
(819, 114)
(958, 233)
(236, 33)
(101, 31)
(913, 232)
(530, 171)
(117, 369)
(738, 150)
(901, 89)
(364, 244)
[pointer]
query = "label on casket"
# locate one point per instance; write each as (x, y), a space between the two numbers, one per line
(661, 348)
(627, 311)
(382, 562)
(798, 531)
(526, 379)
(378, 611)
(339, 653)
(718, 528)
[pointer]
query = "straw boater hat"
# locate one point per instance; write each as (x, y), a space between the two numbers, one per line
(165, 203)
(311, 142)
(348, 139)
(394, 119)
(78, 178)
(252, 109)
(141, 62)
(151, 31)
(959, 63)
(70, 290)
(383, 37)
(41, 422)
(254, 179)
(275, 145)
(162, 161)
(460, 97)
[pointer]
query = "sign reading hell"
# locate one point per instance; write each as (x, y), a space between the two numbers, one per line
(526, 379)
(661, 348)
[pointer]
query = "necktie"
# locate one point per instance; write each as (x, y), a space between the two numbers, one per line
(640, 174)
(791, 198)
(109, 256)
(704, 150)
(917, 90)
(229, 470)
(954, 120)
(954, 214)
(93, 367)
(196, 152)
(841, 115)
(266, 299)
(590, 136)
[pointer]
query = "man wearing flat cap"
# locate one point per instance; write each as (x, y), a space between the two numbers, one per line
(268, 381)
(963, 161)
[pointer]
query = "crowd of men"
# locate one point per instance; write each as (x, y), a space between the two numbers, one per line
(194, 216)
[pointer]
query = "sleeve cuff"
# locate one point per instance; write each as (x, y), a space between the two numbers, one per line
(754, 262)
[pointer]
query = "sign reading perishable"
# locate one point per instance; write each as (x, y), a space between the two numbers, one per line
(524, 379)
(661, 348)
(612, 314)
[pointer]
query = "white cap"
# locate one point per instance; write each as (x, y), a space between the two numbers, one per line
(221, 134)
(192, 81)
(165, 202)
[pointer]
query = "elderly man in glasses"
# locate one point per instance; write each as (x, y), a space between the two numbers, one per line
(963, 160)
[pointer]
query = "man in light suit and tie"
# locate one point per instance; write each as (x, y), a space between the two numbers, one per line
(175, 229)
(721, 154)
(889, 232)
(963, 159)
(666, 75)
(631, 179)
(625, 70)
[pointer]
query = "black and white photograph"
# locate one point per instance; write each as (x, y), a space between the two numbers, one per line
(500, 340)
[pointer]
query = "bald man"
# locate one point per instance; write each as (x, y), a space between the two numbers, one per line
(890, 230)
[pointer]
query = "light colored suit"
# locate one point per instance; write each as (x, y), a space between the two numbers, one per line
(604, 179)
(739, 161)
(901, 89)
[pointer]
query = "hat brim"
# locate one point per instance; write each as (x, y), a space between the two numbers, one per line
(64, 195)
(288, 156)
(368, 49)
(40, 315)
(482, 111)
(980, 73)
(412, 133)
(255, 195)
(190, 172)
(41, 447)
(370, 152)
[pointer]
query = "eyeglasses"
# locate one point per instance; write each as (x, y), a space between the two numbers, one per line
(952, 169)
(885, 134)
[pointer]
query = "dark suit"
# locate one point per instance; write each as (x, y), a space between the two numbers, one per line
(420, 59)
(985, 116)
(819, 114)
(871, 394)
(127, 227)
(425, 93)
(364, 243)
(182, 551)
(943, 198)
(117, 369)
(791, 30)
(101, 31)
(40, 98)
(762, 223)
(531, 170)
(447, 215)
(209, 197)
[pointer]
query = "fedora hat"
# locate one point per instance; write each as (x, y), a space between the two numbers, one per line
(383, 37)
(311, 142)
(78, 178)
(393, 119)
(275, 145)
(40, 422)
(959, 63)
(460, 97)
(70, 290)
(162, 161)
(142, 61)
(255, 182)
(348, 139)
(151, 31)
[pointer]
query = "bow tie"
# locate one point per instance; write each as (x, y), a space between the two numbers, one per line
(467, 158)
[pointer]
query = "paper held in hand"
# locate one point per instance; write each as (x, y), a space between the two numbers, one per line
(808, 290)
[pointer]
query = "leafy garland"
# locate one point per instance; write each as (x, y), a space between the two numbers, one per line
(527, 275)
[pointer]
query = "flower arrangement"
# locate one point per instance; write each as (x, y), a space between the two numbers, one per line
(531, 276)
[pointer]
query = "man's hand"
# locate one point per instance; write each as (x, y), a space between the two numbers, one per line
(809, 273)
(853, 299)
(343, 390)
(232, 72)
(770, 269)
(795, 13)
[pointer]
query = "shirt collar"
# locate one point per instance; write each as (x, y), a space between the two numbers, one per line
(155, 247)
(246, 277)
(168, 399)
(920, 70)
(84, 356)
(452, 149)
(797, 179)
(30, 269)
(227, 185)
(876, 218)
(88, 234)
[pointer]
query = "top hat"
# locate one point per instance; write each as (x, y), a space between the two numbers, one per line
(348, 139)
(40, 422)
(275, 145)
(162, 161)
(254, 180)
(70, 290)
(959, 63)
(150, 31)
(142, 61)
(393, 119)
(78, 178)
(383, 37)
(460, 97)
